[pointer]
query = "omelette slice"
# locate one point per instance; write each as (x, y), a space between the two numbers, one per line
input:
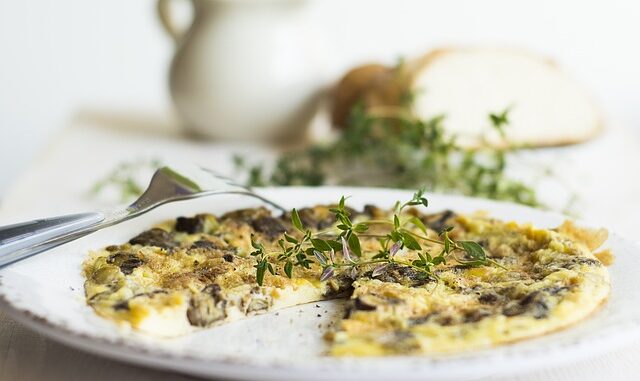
(197, 272)
(547, 280)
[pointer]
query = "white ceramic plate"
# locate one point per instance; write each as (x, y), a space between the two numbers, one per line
(46, 293)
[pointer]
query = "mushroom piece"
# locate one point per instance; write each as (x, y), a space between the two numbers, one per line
(155, 237)
(127, 262)
(207, 307)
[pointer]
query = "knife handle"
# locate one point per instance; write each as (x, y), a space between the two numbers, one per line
(16, 238)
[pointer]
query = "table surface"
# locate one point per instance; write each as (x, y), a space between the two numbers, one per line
(92, 146)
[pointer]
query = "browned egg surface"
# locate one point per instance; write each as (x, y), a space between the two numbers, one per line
(196, 272)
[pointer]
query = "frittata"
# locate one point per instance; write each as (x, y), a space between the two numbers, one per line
(196, 272)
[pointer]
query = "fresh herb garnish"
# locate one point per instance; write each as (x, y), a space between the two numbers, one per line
(396, 149)
(500, 120)
(340, 249)
(393, 149)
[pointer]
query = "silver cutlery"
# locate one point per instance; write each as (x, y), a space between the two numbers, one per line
(168, 184)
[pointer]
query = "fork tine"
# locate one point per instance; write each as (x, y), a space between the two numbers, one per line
(228, 180)
(245, 190)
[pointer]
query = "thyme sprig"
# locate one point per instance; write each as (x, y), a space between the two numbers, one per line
(398, 149)
(321, 248)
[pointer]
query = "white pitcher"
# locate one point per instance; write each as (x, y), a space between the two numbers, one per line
(244, 69)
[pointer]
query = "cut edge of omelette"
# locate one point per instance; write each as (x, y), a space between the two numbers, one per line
(173, 280)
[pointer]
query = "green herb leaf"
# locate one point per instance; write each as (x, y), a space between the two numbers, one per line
(474, 250)
(361, 228)
(354, 245)
(261, 267)
(419, 224)
(345, 220)
(289, 238)
(447, 243)
(381, 254)
(295, 219)
(288, 269)
(335, 245)
(256, 245)
(438, 260)
(320, 244)
(395, 236)
(410, 242)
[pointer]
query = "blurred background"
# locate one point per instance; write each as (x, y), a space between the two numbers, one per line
(59, 60)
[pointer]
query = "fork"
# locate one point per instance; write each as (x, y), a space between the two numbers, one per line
(168, 184)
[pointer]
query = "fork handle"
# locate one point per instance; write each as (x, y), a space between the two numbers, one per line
(14, 239)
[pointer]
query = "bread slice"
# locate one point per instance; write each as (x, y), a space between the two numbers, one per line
(547, 107)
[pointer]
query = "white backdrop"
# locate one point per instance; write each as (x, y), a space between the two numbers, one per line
(57, 58)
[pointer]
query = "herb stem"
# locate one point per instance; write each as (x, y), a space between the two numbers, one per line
(371, 262)
(375, 261)
(310, 249)
(432, 240)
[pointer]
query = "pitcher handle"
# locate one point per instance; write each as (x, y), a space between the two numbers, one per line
(168, 22)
